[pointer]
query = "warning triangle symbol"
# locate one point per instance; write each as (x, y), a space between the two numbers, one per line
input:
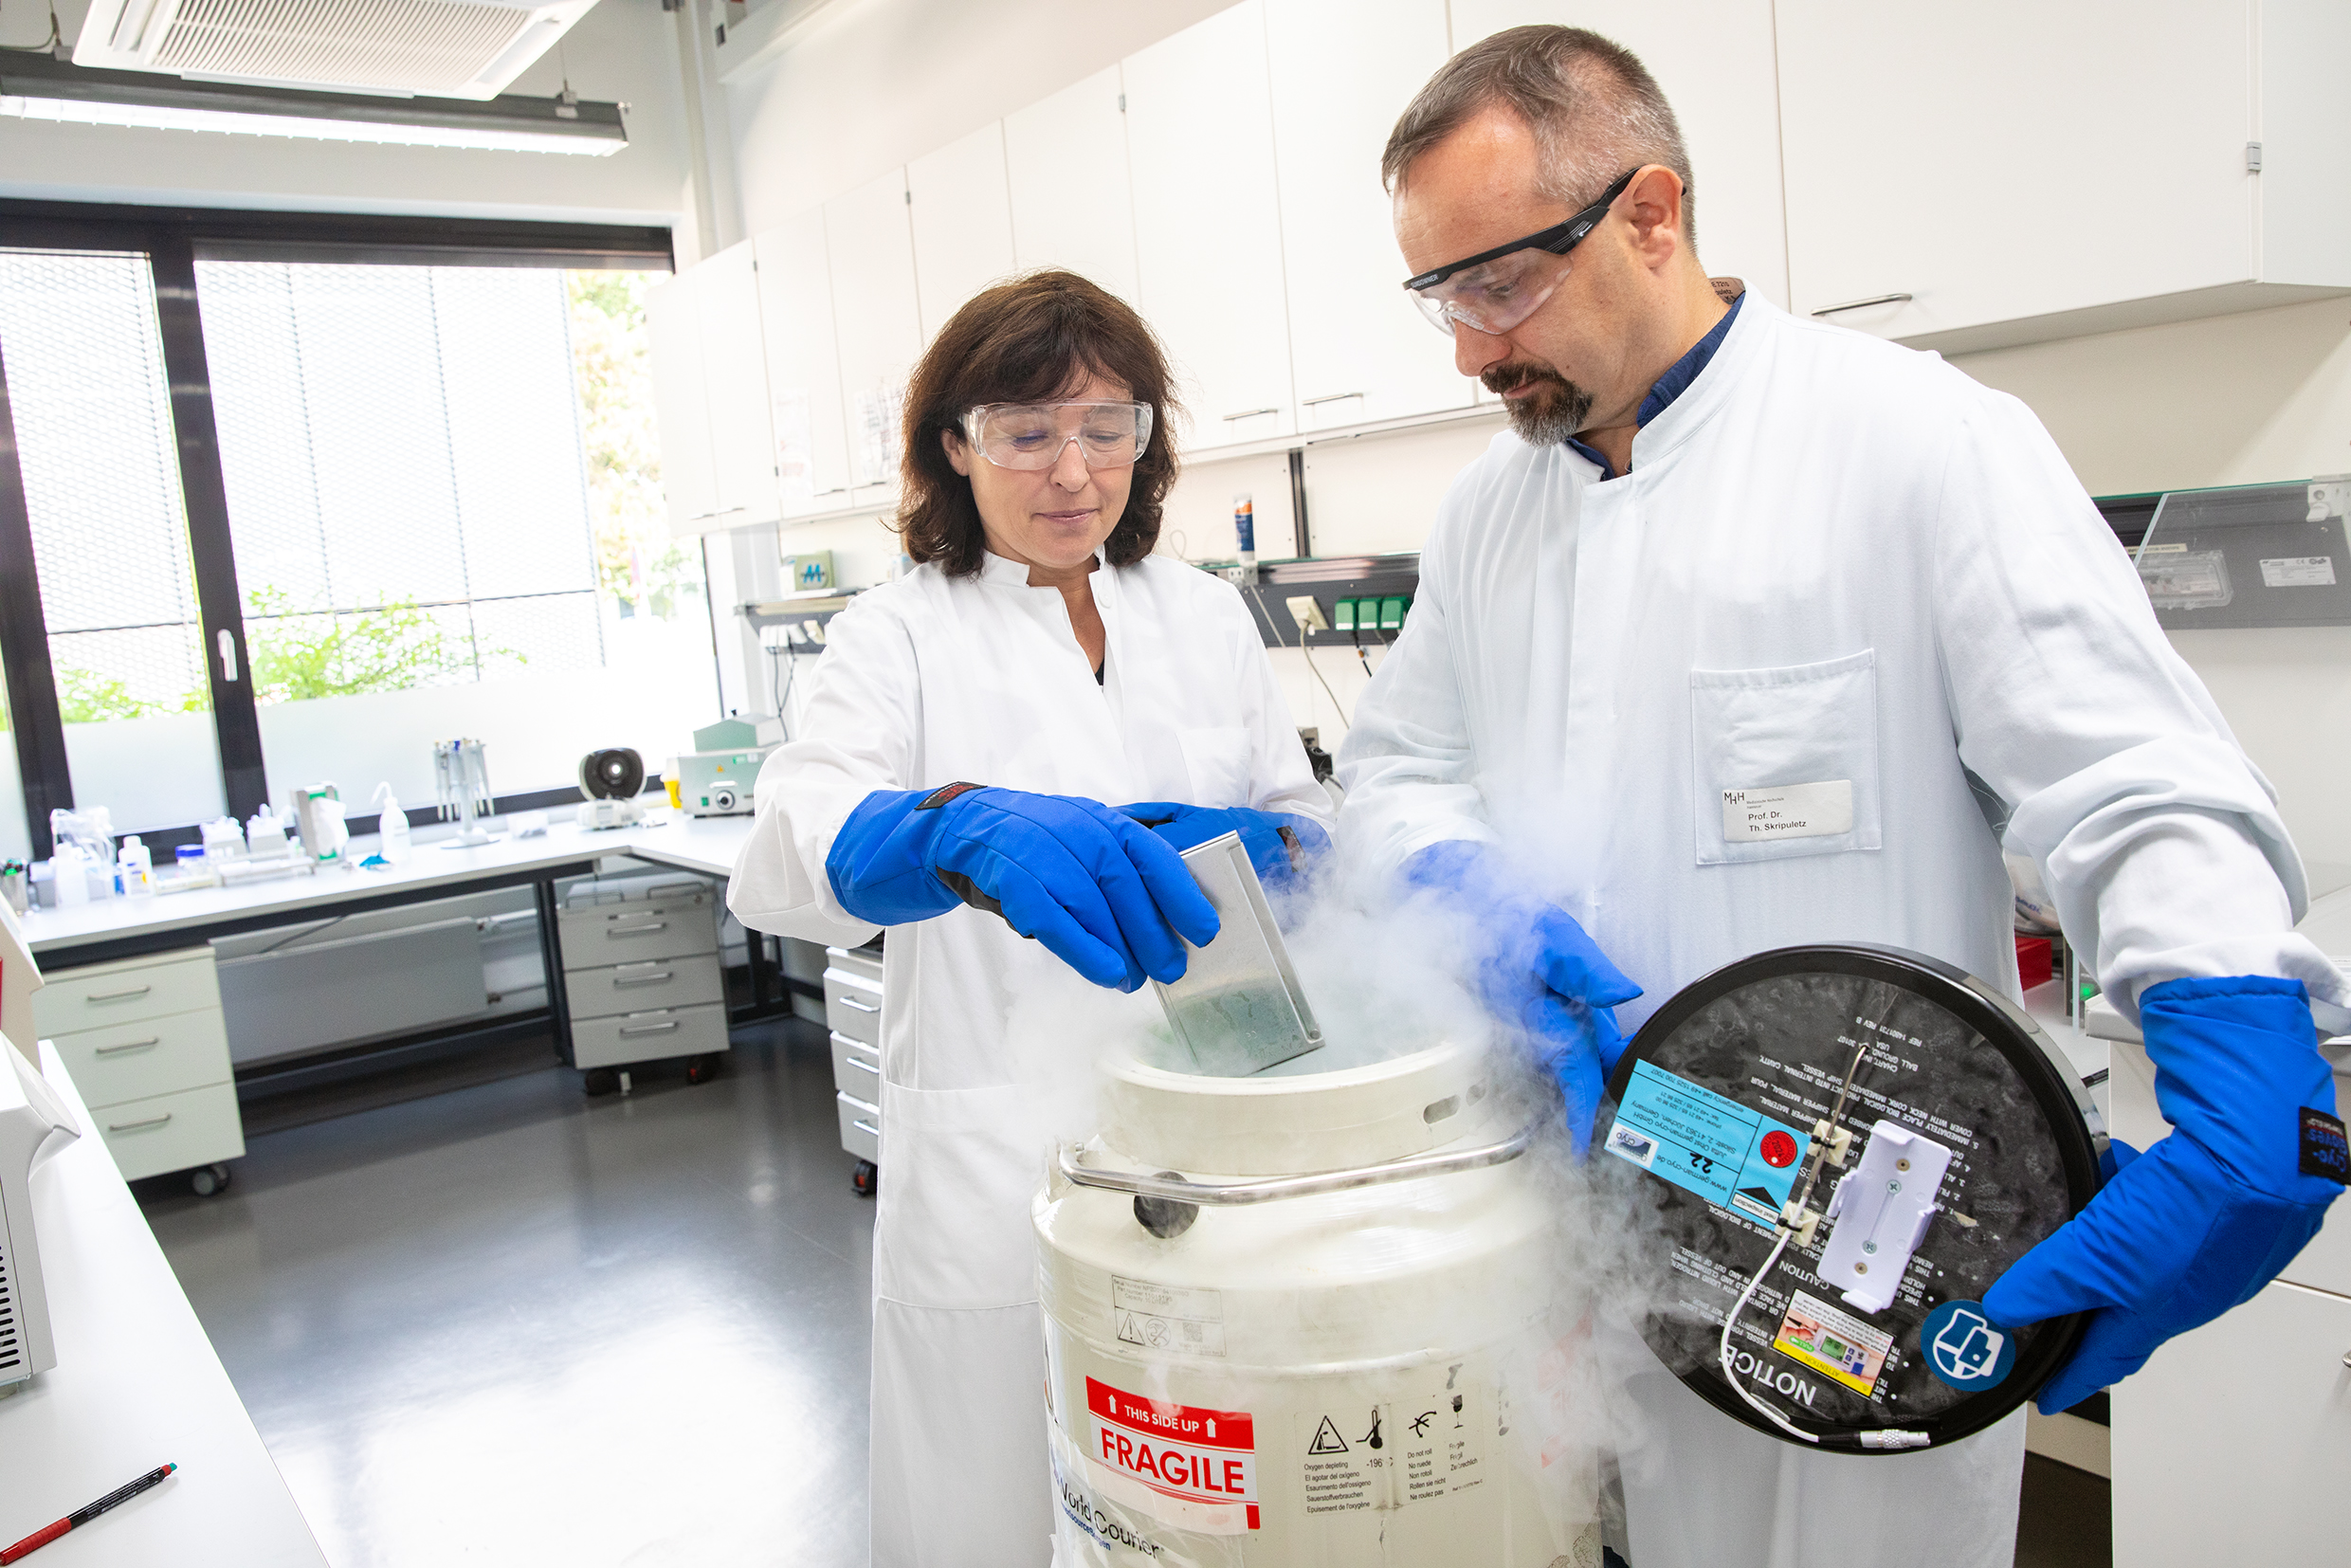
(1129, 1330)
(1326, 1439)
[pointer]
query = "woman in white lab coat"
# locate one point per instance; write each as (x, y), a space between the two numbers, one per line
(962, 732)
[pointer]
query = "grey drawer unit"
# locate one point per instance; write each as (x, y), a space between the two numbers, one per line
(627, 1037)
(854, 1008)
(861, 1128)
(641, 972)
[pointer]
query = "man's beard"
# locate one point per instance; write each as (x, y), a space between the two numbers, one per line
(1556, 411)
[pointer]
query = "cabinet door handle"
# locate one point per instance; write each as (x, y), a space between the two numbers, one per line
(1326, 397)
(129, 1045)
(663, 1027)
(836, 490)
(705, 516)
(663, 978)
(636, 930)
(118, 996)
(1864, 305)
(138, 1126)
(868, 1129)
(855, 1005)
(862, 1064)
(1249, 413)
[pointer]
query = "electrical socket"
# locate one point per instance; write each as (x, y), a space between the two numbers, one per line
(1308, 611)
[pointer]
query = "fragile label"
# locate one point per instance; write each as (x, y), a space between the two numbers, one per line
(1438, 1451)
(1706, 1143)
(1788, 811)
(1833, 1341)
(2298, 572)
(1192, 1456)
(1166, 1316)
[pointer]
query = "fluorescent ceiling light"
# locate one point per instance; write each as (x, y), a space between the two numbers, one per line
(37, 87)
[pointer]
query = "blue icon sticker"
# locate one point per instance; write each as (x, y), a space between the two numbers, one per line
(1965, 1349)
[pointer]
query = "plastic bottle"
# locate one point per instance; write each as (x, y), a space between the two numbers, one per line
(137, 867)
(392, 824)
(70, 876)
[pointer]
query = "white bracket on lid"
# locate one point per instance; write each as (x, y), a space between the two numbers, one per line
(1882, 1208)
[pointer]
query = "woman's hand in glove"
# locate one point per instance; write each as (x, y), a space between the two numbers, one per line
(1098, 889)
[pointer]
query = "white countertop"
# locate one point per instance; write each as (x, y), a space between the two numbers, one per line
(136, 1385)
(706, 844)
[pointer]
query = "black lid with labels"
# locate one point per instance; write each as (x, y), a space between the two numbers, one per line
(1955, 1139)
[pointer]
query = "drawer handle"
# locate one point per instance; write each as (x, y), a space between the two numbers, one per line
(862, 1064)
(663, 978)
(636, 930)
(868, 1129)
(129, 1045)
(1864, 305)
(1327, 397)
(1249, 413)
(663, 1027)
(858, 1005)
(118, 996)
(138, 1126)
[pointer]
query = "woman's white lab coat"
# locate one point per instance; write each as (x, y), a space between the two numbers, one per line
(927, 682)
(1843, 566)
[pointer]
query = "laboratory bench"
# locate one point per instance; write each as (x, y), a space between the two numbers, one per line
(135, 1000)
(136, 1385)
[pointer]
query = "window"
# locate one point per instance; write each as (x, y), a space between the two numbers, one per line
(299, 505)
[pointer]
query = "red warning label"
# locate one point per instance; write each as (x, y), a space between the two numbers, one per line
(1198, 1455)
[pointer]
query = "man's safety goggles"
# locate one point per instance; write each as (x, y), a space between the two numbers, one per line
(1033, 435)
(1494, 290)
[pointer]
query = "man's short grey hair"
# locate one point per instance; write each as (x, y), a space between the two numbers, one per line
(1595, 110)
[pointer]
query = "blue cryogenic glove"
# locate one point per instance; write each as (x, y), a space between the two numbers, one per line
(1537, 972)
(2208, 1215)
(1098, 890)
(1280, 845)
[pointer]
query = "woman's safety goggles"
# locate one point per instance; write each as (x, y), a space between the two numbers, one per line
(1495, 290)
(1033, 435)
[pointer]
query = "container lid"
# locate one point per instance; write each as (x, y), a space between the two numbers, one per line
(1968, 1143)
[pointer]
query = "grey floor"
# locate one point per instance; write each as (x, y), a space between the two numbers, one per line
(506, 1324)
(479, 1319)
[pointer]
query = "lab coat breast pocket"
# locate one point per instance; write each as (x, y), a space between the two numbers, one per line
(1784, 760)
(1218, 761)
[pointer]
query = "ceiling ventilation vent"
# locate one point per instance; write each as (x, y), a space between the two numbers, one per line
(438, 48)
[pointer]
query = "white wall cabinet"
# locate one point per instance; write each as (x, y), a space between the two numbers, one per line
(803, 367)
(1340, 71)
(877, 321)
(1713, 59)
(742, 440)
(682, 404)
(1208, 224)
(1072, 200)
(2097, 178)
(961, 213)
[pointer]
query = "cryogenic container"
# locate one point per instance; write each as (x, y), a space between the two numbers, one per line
(1304, 1317)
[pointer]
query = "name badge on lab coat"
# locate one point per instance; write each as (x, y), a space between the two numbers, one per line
(1788, 811)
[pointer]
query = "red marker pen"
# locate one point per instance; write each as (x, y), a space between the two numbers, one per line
(83, 1516)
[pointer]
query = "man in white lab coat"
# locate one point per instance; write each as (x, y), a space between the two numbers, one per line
(1720, 547)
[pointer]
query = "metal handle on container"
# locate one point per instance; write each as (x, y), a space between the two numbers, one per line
(856, 1061)
(861, 1007)
(1864, 305)
(129, 1045)
(1249, 413)
(138, 1126)
(118, 996)
(1218, 1194)
(663, 978)
(868, 1129)
(649, 1029)
(636, 930)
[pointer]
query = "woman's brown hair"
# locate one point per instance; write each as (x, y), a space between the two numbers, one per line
(1029, 341)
